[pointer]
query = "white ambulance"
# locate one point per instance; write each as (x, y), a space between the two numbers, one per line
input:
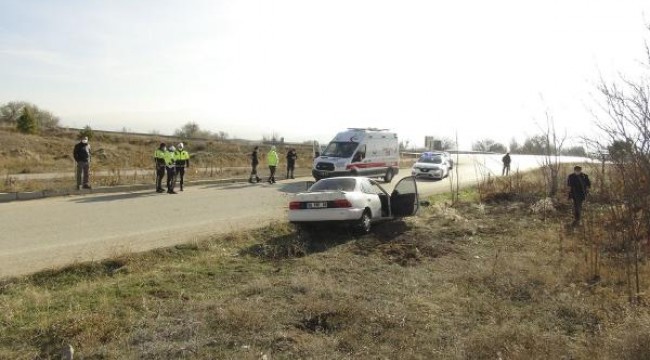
(359, 152)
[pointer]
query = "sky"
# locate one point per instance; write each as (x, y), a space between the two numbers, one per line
(307, 69)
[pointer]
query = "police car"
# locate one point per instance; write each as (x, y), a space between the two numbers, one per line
(431, 165)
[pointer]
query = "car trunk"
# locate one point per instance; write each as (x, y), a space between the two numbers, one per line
(320, 196)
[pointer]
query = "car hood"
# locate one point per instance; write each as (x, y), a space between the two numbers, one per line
(427, 166)
(319, 196)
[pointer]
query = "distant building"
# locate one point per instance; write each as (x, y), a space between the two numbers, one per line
(431, 143)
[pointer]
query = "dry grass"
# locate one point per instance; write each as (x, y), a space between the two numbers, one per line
(51, 152)
(477, 281)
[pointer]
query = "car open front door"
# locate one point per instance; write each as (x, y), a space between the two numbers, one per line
(404, 201)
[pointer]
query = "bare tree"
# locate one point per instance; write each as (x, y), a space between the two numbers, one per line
(12, 111)
(514, 146)
(553, 144)
(192, 130)
(488, 145)
(448, 143)
(624, 122)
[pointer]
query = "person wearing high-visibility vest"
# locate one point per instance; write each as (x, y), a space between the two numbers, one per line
(170, 164)
(272, 160)
(159, 158)
(182, 158)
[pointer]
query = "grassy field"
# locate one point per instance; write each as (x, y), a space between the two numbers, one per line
(51, 152)
(491, 279)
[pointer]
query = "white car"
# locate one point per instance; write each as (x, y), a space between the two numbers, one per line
(358, 201)
(431, 165)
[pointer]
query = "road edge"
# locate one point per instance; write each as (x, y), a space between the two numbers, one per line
(35, 195)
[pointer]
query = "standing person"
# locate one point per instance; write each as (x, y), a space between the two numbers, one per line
(254, 162)
(159, 158)
(579, 185)
(81, 154)
(272, 160)
(506, 164)
(182, 158)
(292, 156)
(171, 169)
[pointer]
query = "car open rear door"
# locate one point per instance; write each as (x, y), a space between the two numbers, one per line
(405, 201)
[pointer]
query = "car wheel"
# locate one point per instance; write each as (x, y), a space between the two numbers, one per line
(389, 175)
(365, 223)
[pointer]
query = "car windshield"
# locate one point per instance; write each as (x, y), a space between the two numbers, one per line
(334, 185)
(431, 159)
(340, 149)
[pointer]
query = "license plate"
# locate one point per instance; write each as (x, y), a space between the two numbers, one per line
(317, 205)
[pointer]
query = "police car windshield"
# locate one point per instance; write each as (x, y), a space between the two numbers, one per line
(340, 149)
(431, 159)
(334, 185)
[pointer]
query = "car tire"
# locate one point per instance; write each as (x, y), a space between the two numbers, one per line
(389, 175)
(364, 224)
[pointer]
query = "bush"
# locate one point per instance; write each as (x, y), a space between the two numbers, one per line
(26, 123)
(86, 132)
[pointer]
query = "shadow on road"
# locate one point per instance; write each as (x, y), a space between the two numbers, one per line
(115, 197)
(295, 187)
(287, 188)
(236, 186)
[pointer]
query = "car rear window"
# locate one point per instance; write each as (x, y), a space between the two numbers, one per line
(334, 185)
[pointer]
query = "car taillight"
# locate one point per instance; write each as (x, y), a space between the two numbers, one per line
(342, 203)
(295, 205)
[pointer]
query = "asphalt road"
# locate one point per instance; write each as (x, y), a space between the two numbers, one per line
(53, 232)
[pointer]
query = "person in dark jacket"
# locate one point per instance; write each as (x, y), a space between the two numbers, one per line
(579, 185)
(254, 162)
(81, 154)
(506, 164)
(159, 158)
(292, 156)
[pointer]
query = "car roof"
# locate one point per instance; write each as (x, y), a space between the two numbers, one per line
(345, 177)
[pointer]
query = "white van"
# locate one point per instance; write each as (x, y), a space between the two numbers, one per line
(359, 152)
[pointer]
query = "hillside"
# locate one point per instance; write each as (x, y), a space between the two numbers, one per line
(51, 152)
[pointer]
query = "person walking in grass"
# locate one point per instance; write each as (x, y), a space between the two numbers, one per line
(272, 160)
(254, 162)
(81, 154)
(579, 185)
(159, 158)
(182, 158)
(292, 156)
(506, 164)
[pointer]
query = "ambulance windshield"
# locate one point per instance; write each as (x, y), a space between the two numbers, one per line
(340, 149)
